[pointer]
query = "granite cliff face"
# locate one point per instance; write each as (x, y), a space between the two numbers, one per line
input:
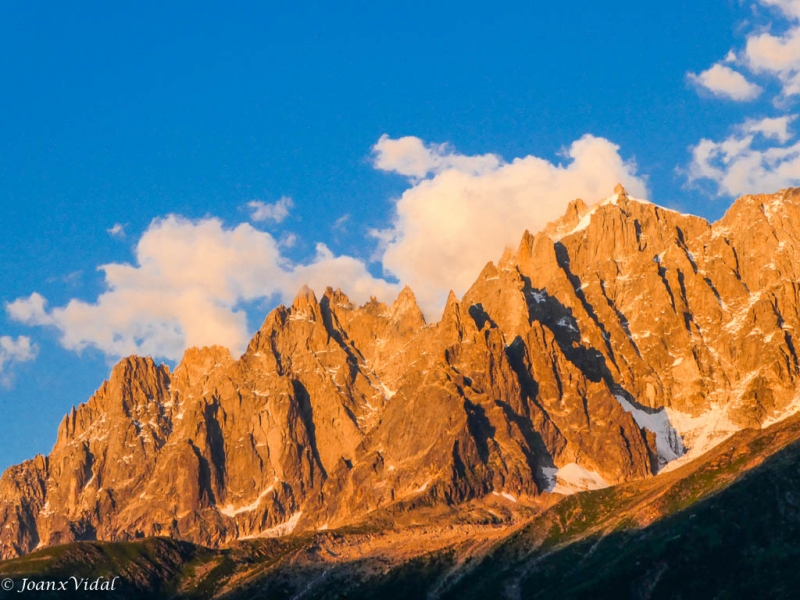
(621, 341)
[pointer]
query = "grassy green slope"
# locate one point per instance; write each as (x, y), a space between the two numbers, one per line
(726, 526)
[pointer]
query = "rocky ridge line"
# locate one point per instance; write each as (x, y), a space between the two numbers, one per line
(599, 351)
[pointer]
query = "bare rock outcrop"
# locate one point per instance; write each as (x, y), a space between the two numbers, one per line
(598, 347)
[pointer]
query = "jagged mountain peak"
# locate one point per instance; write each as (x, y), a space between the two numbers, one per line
(405, 305)
(452, 299)
(620, 341)
(339, 298)
(305, 300)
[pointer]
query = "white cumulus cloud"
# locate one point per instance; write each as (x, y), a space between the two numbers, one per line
(723, 81)
(777, 55)
(412, 157)
(776, 128)
(276, 211)
(756, 158)
(31, 310)
(186, 288)
(348, 273)
(190, 279)
(447, 225)
(12, 351)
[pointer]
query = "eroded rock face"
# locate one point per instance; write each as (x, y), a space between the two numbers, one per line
(573, 353)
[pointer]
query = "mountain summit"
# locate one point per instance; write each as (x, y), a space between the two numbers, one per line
(623, 340)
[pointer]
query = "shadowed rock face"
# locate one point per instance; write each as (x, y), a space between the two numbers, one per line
(574, 353)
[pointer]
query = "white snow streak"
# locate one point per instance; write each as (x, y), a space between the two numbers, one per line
(668, 442)
(281, 530)
(231, 511)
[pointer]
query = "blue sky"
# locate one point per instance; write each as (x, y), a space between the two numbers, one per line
(365, 145)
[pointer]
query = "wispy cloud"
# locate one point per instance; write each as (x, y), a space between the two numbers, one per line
(276, 211)
(72, 279)
(14, 351)
(118, 230)
(288, 240)
(340, 224)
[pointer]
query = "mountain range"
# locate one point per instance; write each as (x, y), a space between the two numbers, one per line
(621, 378)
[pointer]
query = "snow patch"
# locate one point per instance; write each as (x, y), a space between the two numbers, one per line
(302, 317)
(699, 434)
(539, 297)
(668, 442)
(231, 511)
(582, 224)
(586, 219)
(738, 320)
(791, 409)
(281, 530)
(505, 495)
(550, 475)
(573, 478)
(564, 322)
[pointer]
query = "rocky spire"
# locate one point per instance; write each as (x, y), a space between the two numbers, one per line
(561, 360)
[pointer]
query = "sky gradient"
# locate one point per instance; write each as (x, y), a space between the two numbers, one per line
(213, 159)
